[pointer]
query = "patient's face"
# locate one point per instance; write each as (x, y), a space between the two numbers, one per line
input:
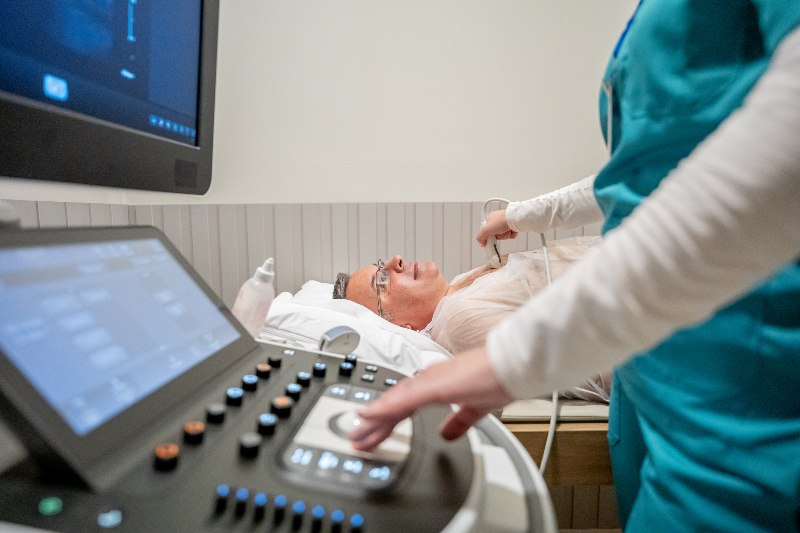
(414, 291)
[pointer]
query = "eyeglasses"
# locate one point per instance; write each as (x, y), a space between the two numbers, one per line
(381, 283)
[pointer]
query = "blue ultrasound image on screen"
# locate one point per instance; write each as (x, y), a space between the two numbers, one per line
(97, 327)
(129, 62)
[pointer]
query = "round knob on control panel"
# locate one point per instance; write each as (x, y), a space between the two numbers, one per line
(233, 396)
(304, 378)
(267, 423)
(351, 358)
(250, 382)
(319, 369)
(275, 360)
(221, 497)
(193, 432)
(166, 456)
(249, 443)
(282, 406)
(241, 496)
(215, 413)
(346, 369)
(263, 370)
(293, 391)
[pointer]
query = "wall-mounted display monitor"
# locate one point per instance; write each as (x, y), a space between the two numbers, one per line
(116, 93)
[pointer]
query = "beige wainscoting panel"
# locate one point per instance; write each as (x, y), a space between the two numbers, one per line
(225, 243)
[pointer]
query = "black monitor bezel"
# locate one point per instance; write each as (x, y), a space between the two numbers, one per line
(44, 142)
(47, 435)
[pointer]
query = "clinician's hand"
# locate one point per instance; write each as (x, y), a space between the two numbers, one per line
(495, 225)
(467, 380)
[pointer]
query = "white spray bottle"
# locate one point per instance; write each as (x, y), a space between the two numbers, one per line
(254, 299)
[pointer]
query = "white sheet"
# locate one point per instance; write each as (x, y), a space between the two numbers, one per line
(313, 311)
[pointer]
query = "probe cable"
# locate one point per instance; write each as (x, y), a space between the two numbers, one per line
(551, 432)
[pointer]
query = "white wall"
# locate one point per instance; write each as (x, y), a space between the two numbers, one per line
(396, 101)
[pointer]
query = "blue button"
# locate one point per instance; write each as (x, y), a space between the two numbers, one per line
(294, 387)
(337, 516)
(260, 499)
(303, 375)
(318, 512)
(223, 490)
(267, 419)
(242, 494)
(280, 501)
(356, 520)
(109, 520)
(299, 507)
(235, 392)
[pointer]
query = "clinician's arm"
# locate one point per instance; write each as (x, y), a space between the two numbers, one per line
(722, 221)
(569, 207)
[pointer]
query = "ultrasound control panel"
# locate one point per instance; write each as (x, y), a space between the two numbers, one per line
(265, 447)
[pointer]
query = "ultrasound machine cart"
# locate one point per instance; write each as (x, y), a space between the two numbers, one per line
(145, 406)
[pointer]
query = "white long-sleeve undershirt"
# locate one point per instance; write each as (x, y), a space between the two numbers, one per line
(568, 207)
(726, 218)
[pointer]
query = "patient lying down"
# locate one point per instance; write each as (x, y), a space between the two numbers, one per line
(459, 315)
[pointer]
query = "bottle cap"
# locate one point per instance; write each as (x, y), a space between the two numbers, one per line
(266, 271)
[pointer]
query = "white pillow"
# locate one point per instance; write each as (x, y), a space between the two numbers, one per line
(313, 311)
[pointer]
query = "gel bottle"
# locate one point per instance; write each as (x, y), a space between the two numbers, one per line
(254, 299)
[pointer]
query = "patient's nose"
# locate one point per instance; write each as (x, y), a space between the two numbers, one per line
(395, 264)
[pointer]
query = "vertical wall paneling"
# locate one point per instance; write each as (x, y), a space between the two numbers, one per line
(339, 239)
(312, 243)
(100, 214)
(367, 234)
(380, 231)
(466, 233)
(297, 245)
(452, 240)
(395, 230)
(143, 215)
(78, 215)
(201, 247)
(172, 227)
(437, 233)
(353, 257)
(326, 245)
(256, 244)
(423, 236)
(410, 249)
(52, 215)
(233, 253)
(119, 215)
(284, 258)
(478, 253)
(308, 241)
(27, 212)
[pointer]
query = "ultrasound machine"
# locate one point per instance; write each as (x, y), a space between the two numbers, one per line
(146, 406)
(141, 403)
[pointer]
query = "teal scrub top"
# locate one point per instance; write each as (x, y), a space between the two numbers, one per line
(721, 396)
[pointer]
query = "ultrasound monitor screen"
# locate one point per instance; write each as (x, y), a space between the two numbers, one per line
(95, 327)
(133, 63)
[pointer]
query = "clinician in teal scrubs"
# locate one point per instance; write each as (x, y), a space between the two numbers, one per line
(704, 427)
(689, 64)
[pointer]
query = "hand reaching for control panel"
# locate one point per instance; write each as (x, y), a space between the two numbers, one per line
(466, 380)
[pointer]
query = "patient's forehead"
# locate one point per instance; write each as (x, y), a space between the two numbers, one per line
(360, 288)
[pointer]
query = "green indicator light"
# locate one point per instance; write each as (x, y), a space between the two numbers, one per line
(50, 506)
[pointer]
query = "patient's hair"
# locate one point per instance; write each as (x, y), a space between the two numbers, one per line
(340, 286)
